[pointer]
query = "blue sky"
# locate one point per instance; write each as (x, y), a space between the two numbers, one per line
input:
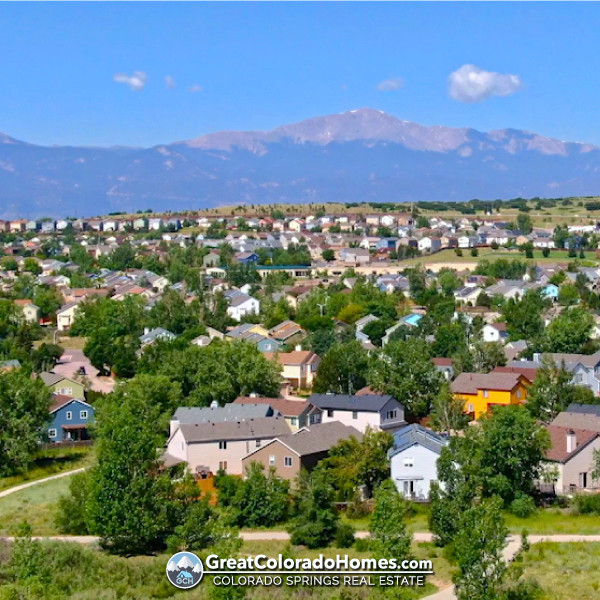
(260, 65)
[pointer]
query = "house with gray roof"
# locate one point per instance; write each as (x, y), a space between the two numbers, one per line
(214, 446)
(413, 460)
(190, 415)
(303, 449)
(379, 412)
(150, 336)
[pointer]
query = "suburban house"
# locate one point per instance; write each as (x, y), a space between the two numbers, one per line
(151, 336)
(584, 367)
(63, 386)
(482, 391)
(299, 367)
(413, 460)
(70, 419)
(494, 332)
(303, 449)
(287, 332)
(66, 315)
(210, 447)
(444, 366)
(379, 412)
(241, 304)
(297, 413)
(31, 312)
(572, 458)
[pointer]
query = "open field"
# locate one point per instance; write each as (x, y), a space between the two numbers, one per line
(52, 462)
(36, 505)
(565, 570)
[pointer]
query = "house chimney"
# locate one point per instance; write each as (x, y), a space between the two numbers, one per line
(298, 347)
(146, 330)
(571, 441)
(214, 404)
(253, 394)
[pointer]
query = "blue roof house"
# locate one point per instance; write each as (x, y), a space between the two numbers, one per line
(70, 418)
(550, 291)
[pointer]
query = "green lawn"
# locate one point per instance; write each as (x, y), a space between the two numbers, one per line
(555, 521)
(36, 505)
(565, 571)
(51, 462)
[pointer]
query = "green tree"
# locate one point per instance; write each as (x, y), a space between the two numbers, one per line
(375, 330)
(261, 500)
(568, 294)
(404, 369)
(524, 317)
(128, 504)
(24, 406)
(353, 463)
(317, 521)
(553, 391)
(570, 331)
(45, 356)
(328, 255)
(389, 535)
(512, 448)
(486, 356)
(70, 515)
(478, 549)
(447, 412)
(343, 369)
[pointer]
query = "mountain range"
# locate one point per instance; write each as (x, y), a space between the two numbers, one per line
(356, 156)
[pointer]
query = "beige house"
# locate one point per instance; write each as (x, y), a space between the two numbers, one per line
(63, 386)
(66, 315)
(572, 455)
(31, 312)
(303, 449)
(210, 447)
(299, 367)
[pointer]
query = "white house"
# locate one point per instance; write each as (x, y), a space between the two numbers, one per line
(494, 332)
(66, 315)
(241, 304)
(413, 460)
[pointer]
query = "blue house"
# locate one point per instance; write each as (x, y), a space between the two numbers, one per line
(386, 244)
(550, 291)
(247, 258)
(70, 418)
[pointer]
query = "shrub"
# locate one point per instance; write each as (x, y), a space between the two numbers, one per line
(522, 507)
(588, 504)
(362, 544)
(344, 536)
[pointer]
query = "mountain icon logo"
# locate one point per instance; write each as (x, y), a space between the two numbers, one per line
(184, 570)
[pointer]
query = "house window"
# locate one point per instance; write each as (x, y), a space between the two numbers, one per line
(390, 414)
(470, 408)
(222, 445)
(52, 433)
(409, 462)
(65, 391)
(294, 421)
(69, 415)
(583, 480)
(354, 415)
(519, 393)
(223, 465)
(83, 414)
(486, 393)
(287, 461)
(329, 412)
(272, 460)
(258, 443)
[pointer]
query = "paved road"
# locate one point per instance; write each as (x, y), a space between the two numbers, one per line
(24, 486)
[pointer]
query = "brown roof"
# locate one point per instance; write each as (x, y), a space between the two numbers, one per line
(297, 357)
(440, 361)
(288, 408)
(285, 330)
(470, 383)
(529, 374)
(558, 437)
(59, 400)
(24, 302)
(267, 427)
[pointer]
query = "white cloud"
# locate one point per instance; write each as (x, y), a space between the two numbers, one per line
(170, 82)
(389, 85)
(136, 81)
(472, 84)
(195, 88)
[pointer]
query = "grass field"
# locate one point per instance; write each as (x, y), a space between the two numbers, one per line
(565, 571)
(51, 462)
(36, 505)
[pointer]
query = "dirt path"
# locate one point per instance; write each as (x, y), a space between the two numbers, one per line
(24, 486)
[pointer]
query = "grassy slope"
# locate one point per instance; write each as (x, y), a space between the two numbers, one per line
(50, 463)
(565, 571)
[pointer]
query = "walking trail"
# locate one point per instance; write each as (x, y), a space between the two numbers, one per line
(24, 486)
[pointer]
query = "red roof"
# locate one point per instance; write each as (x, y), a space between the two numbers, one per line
(558, 438)
(529, 374)
(288, 408)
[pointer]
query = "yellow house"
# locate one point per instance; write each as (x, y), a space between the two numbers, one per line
(482, 391)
